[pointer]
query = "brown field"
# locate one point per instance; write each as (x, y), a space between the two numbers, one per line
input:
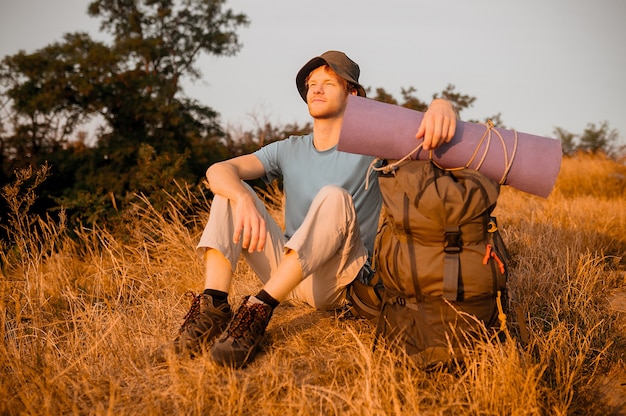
(81, 316)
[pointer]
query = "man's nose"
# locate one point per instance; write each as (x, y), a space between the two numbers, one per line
(317, 89)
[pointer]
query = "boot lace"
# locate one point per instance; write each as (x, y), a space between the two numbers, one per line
(194, 310)
(250, 317)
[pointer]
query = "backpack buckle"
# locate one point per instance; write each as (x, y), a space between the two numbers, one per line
(453, 243)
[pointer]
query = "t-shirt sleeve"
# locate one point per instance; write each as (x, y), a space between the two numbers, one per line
(269, 155)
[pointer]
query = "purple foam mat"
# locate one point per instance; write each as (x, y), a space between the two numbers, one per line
(388, 131)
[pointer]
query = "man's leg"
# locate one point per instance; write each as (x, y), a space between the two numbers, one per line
(221, 254)
(334, 254)
(210, 313)
(239, 343)
(330, 249)
(327, 248)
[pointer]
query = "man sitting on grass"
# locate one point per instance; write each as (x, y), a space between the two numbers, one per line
(330, 218)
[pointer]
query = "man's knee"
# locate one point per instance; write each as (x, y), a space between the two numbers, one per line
(333, 191)
(330, 300)
(333, 194)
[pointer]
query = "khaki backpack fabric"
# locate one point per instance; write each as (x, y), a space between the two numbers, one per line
(441, 260)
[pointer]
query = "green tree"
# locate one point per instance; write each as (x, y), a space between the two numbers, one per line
(158, 43)
(594, 139)
(133, 84)
(461, 101)
(384, 97)
(410, 100)
(568, 140)
(38, 114)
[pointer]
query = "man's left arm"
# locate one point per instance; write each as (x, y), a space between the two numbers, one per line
(438, 125)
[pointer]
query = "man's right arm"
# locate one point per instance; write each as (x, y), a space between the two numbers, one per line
(225, 179)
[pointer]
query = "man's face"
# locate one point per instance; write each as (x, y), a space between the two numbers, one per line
(327, 93)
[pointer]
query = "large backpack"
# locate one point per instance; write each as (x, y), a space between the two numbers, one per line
(441, 259)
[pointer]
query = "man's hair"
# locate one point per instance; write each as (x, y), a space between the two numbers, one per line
(347, 84)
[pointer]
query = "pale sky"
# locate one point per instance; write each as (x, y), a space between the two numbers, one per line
(540, 63)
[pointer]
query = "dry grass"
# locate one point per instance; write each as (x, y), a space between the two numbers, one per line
(80, 317)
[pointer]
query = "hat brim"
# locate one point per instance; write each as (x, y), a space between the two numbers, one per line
(316, 63)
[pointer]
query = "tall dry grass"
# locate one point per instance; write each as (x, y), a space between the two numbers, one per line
(82, 314)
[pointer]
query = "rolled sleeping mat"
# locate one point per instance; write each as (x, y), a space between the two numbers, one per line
(524, 161)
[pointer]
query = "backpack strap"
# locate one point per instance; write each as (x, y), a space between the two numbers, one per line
(451, 262)
(411, 246)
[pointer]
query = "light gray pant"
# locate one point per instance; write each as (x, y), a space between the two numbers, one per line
(328, 244)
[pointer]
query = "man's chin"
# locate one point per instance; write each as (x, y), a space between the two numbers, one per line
(320, 116)
(324, 115)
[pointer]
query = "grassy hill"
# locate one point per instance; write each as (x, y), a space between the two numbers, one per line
(81, 316)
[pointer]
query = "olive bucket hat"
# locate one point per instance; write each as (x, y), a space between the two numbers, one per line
(343, 66)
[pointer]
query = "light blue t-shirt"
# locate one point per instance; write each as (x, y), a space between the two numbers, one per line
(305, 170)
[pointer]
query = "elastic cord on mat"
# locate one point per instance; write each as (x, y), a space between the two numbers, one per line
(508, 163)
(390, 167)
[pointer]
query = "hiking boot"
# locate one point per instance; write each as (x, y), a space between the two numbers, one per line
(240, 341)
(203, 323)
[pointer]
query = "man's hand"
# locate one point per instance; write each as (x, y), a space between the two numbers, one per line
(249, 225)
(225, 179)
(438, 125)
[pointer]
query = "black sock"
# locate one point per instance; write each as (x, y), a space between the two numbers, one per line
(219, 297)
(265, 297)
